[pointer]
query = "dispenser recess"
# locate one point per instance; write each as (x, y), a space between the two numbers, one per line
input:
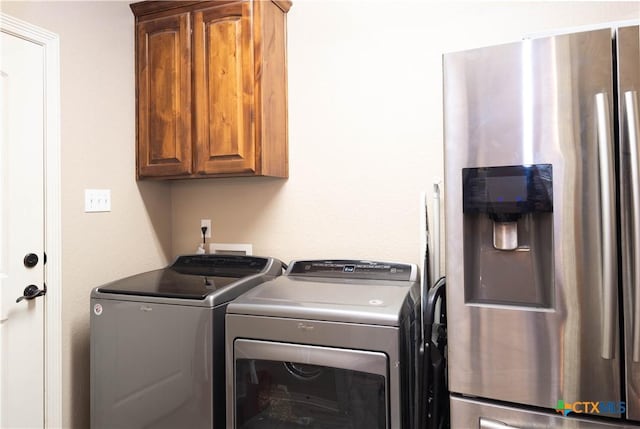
(508, 234)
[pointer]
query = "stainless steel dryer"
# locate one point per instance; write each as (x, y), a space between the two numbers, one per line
(157, 342)
(331, 344)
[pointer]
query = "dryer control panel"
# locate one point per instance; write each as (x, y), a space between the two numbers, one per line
(354, 269)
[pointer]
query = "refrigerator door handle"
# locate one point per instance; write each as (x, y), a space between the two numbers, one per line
(608, 220)
(633, 128)
(494, 424)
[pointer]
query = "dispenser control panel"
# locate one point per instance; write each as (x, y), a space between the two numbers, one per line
(510, 190)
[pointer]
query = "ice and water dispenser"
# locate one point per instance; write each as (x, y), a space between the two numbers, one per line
(508, 235)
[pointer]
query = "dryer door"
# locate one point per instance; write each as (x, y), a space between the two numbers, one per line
(292, 385)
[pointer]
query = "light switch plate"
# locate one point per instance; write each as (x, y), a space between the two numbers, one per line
(97, 200)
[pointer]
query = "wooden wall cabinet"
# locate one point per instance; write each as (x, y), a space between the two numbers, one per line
(211, 88)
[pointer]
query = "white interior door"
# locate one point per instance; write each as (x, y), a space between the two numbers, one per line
(22, 383)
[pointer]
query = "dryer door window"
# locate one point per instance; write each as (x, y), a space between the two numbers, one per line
(285, 386)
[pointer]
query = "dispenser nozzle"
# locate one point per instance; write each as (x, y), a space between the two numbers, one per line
(505, 235)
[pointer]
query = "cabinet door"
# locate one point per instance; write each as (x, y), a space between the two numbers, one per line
(164, 95)
(223, 96)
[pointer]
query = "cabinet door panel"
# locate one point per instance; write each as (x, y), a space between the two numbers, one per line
(223, 70)
(270, 89)
(164, 94)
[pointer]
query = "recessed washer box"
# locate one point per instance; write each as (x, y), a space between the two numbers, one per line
(231, 248)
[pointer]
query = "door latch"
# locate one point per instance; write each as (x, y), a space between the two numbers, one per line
(32, 292)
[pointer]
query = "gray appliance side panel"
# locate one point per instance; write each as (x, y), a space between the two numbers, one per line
(226, 295)
(475, 414)
(628, 46)
(320, 333)
(151, 365)
(218, 357)
(533, 102)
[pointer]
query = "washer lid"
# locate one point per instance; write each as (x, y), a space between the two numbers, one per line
(343, 299)
(189, 277)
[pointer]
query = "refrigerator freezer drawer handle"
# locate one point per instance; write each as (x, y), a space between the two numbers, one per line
(608, 228)
(633, 128)
(494, 424)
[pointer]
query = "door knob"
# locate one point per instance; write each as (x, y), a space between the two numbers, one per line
(30, 260)
(31, 292)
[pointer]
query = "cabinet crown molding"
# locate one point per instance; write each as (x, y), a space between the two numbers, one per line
(153, 6)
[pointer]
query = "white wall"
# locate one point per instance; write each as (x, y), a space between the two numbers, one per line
(365, 136)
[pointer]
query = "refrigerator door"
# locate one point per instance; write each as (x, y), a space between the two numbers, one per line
(475, 414)
(628, 53)
(539, 323)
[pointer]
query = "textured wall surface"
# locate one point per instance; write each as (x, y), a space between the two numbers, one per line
(365, 140)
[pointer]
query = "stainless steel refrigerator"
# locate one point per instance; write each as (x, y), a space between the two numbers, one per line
(542, 188)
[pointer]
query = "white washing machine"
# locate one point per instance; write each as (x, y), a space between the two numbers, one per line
(330, 344)
(157, 342)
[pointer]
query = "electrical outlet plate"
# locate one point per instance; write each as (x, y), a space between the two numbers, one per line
(97, 200)
(207, 223)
